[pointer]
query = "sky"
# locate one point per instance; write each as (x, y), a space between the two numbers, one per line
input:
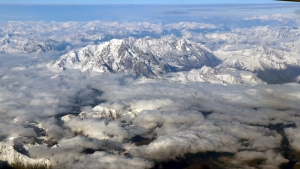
(133, 1)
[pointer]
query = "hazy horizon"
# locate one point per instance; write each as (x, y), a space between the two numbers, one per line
(139, 12)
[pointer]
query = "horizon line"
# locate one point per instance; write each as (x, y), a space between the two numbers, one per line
(271, 3)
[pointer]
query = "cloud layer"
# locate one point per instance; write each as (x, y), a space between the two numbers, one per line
(75, 119)
(42, 115)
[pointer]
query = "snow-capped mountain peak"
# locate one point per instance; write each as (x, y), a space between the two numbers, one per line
(146, 56)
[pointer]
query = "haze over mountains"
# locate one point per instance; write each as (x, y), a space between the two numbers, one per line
(150, 94)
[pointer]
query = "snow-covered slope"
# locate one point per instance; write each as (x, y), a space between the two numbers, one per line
(151, 57)
(213, 75)
(15, 43)
(257, 58)
(272, 65)
(11, 153)
(145, 56)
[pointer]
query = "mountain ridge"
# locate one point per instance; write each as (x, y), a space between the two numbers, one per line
(146, 56)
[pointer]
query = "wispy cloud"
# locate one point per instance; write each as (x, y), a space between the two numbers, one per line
(175, 12)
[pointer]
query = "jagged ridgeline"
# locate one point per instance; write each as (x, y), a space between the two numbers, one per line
(141, 57)
(11, 43)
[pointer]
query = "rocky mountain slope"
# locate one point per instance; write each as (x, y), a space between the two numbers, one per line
(146, 56)
(271, 65)
(214, 75)
(14, 43)
(154, 57)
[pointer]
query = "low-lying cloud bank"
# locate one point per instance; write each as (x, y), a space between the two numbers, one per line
(83, 119)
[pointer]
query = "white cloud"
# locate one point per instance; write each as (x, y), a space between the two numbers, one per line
(278, 17)
(268, 159)
(110, 161)
(293, 137)
(180, 118)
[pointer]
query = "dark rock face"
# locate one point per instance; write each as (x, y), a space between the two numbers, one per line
(279, 76)
(5, 165)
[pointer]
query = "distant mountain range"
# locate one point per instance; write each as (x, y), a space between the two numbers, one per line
(239, 50)
(154, 57)
(14, 43)
(270, 64)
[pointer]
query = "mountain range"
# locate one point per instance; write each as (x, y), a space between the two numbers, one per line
(146, 56)
(153, 58)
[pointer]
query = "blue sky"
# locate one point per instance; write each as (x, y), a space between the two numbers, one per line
(132, 1)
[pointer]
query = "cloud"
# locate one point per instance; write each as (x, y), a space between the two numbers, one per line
(98, 129)
(175, 12)
(278, 17)
(293, 137)
(9, 130)
(106, 160)
(189, 26)
(268, 159)
(68, 149)
(178, 118)
(172, 143)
